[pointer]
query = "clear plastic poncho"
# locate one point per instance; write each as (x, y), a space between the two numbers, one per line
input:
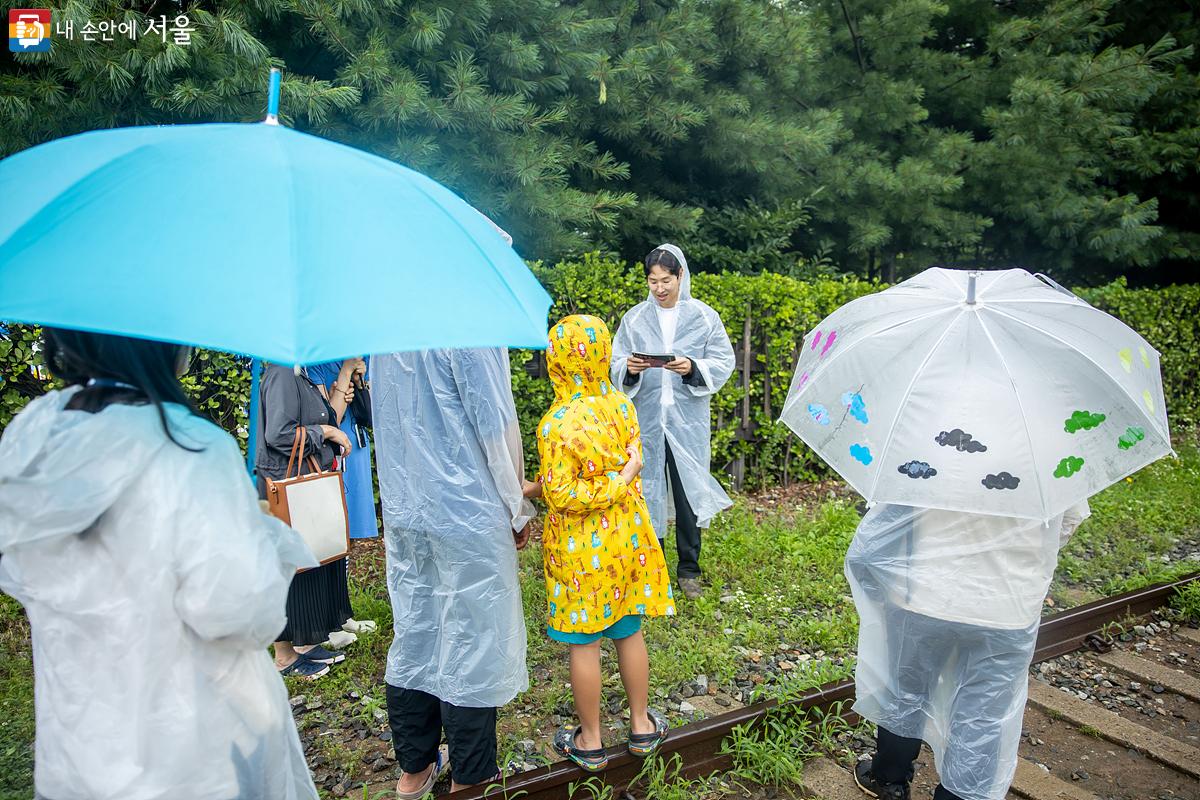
(670, 410)
(448, 453)
(153, 584)
(949, 606)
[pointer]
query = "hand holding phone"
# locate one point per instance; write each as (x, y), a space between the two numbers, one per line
(653, 359)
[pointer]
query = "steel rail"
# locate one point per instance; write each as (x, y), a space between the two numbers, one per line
(698, 744)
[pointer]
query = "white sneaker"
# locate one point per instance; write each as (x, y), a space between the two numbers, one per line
(339, 639)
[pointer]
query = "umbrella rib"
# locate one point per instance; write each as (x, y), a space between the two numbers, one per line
(1135, 400)
(907, 393)
(1024, 419)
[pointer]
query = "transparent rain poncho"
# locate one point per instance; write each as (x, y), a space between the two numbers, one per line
(153, 584)
(448, 453)
(671, 411)
(949, 605)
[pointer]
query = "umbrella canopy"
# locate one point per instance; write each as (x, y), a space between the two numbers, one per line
(254, 239)
(986, 392)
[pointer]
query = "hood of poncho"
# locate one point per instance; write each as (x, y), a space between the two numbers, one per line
(578, 356)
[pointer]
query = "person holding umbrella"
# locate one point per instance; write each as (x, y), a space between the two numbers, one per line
(319, 599)
(352, 401)
(153, 583)
(75, 253)
(672, 397)
(976, 413)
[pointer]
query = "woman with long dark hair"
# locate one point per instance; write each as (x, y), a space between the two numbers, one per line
(153, 582)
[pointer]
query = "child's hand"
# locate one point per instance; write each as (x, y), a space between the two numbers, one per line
(532, 489)
(633, 467)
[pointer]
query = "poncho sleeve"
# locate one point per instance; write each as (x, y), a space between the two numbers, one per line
(485, 385)
(622, 349)
(573, 479)
(716, 363)
(234, 562)
(1072, 519)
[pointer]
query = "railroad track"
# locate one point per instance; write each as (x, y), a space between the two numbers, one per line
(699, 744)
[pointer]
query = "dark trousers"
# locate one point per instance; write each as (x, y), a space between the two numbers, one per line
(687, 532)
(417, 720)
(893, 762)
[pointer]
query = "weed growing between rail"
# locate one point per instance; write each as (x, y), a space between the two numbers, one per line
(1186, 602)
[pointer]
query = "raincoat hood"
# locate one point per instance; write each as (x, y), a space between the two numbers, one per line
(685, 276)
(60, 470)
(578, 357)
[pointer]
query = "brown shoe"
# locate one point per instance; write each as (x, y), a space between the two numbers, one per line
(691, 587)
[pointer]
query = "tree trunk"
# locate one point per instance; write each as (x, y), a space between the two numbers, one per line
(889, 268)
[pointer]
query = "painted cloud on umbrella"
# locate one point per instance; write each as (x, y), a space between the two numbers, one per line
(917, 469)
(961, 441)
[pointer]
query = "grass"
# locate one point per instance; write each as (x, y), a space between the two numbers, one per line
(775, 578)
(1134, 528)
(16, 703)
(1187, 602)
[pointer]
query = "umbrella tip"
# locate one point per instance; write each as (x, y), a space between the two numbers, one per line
(972, 279)
(273, 97)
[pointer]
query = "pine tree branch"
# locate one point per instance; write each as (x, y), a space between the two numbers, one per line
(854, 37)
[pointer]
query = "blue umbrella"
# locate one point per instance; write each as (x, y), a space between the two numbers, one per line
(244, 237)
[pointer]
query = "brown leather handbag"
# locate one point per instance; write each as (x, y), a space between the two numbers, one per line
(313, 504)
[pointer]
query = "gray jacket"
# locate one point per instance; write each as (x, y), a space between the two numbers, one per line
(287, 400)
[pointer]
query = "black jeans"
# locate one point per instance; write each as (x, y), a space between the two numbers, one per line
(893, 762)
(417, 720)
(687, 532)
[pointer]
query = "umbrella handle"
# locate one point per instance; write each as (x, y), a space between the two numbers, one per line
(273, 97)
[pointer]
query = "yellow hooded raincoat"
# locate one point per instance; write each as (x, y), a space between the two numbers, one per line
(602, 560)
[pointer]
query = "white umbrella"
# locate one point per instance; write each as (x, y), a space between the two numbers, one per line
(986, 392)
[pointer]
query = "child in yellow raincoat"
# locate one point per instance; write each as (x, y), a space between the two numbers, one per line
(604, 567)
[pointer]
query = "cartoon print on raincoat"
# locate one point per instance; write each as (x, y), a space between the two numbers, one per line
(621, 568)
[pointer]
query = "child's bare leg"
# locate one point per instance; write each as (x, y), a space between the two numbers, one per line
(634, 663)
(586, 686)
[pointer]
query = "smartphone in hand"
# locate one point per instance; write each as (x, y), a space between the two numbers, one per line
(655, 360)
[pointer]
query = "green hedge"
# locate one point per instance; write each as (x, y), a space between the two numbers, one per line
(780, 309)
(1169, 319)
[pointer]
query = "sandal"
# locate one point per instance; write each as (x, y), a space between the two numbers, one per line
(643, 745)
(440, 765)
(360, 626)
(303, 668)
(322, 656)
(589, 760)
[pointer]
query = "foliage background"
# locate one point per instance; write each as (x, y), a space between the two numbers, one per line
(781, 310)
(872, 137)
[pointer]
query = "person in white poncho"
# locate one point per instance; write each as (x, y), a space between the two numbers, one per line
(153, 582)
(673, 401)
(949, 605)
